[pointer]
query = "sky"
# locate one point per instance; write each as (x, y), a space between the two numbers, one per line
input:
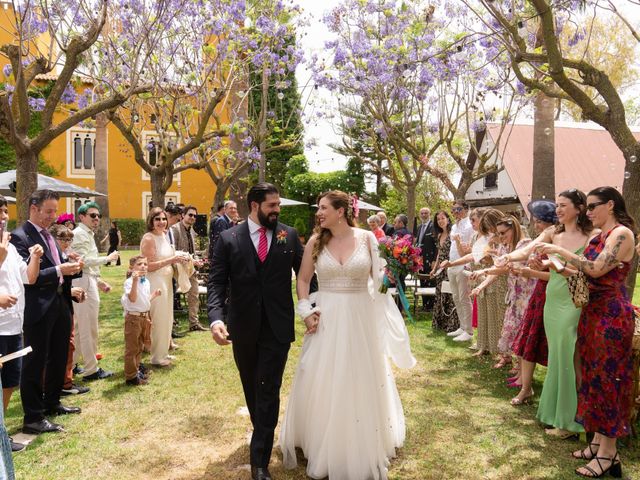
(320, 156)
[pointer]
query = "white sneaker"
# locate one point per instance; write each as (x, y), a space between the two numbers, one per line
(465, 337)
(456, 333)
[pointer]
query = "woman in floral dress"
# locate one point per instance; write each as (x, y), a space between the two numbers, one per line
(605, 332)
(444, 313)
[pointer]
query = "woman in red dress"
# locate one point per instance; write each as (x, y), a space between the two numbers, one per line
(531, 342)
(605, 332)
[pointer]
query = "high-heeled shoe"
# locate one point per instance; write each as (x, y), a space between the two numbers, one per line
(512, 379)
(502, 362)
(614, 468)
(517, 401)
(514, 385)
(580, 455)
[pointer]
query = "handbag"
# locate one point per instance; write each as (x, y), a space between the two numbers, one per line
(579, 289)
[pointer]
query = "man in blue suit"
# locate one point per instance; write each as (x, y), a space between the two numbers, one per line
(47, 317)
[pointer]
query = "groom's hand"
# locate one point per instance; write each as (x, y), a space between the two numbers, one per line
(220, 334)
(312, 322)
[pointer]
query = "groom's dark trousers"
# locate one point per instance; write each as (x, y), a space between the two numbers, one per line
(261, 366)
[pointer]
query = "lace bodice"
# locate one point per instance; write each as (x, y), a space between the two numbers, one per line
(352, 276)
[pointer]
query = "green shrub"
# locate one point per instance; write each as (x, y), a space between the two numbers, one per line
(132, 230)
(301, 226)
(11, 224)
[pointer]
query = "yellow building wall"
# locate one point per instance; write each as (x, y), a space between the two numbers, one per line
(129, 187)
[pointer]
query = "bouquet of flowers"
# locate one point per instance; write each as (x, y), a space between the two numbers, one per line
(402, 257)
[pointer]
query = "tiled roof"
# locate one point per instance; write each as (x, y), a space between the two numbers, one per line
(585, 157)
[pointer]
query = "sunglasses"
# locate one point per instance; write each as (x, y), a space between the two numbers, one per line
(191, 215)
(95, 215)
(457, 209)
(159, 219)
(592, 206)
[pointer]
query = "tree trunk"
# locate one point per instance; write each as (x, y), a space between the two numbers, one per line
(157, 188)
(631, 192)
(262, 135)
(26, 182)
(238, 188)
(102, 174)
(544, 183)
(411, 204)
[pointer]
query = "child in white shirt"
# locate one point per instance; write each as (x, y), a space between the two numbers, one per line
(136, 302)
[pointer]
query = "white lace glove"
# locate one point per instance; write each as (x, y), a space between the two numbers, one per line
(305, 308)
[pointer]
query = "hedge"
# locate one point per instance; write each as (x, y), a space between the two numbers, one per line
(132, 230)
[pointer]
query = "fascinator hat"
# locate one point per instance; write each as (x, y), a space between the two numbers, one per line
(543, 210)
(66, 217)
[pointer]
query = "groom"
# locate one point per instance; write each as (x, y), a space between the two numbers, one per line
(251, 269)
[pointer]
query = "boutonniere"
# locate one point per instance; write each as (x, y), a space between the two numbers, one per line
(281, 237)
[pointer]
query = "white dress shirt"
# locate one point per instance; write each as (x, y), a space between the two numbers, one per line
(465, 230)
(143, 297)
(13, 276)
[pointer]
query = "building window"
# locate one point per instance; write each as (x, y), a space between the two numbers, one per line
(491, 181)
(81, 153)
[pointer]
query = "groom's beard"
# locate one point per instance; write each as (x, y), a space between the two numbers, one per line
(269, 221)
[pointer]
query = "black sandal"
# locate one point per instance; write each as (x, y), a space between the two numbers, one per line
(615, 468)
(582, 456)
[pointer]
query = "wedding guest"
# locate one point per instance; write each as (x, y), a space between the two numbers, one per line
(185, 240)
(374, 226)
(114, 236)
(225, 222)
(426, 240)
(605, 332)
(67, 219)
(64, 237)
(386, 228)
(47, 317)
(444, 315)
(530, 344)
(400, 226)
(14, 273)
(136, 302)
(155, 247)
(519, 288)
(461, 234)
(87, 312)
(558, 400)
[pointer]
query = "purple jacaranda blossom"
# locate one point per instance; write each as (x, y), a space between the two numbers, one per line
(7, 70)
(36, 103)
(68, 95)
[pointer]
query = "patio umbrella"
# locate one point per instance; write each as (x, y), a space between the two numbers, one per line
(65, 189)
(287, 202)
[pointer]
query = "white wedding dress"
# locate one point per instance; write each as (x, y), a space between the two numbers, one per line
(344, 411)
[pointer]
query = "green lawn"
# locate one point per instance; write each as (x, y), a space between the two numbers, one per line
(184, 425)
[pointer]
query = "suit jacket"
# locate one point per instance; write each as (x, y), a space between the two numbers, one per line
(180, 237)
(388, 230)
(40, 296)
(254, 288)
(427, 242)
(217, 226)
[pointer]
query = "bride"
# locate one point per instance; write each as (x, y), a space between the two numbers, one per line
(344, 411)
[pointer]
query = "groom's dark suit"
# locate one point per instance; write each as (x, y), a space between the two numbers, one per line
(260, 319)
(47, 326)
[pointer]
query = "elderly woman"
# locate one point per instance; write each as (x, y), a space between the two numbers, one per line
(374, 226)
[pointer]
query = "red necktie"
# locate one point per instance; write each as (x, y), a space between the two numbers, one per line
(262, 244)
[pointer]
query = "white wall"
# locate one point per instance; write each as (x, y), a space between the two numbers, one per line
(505, 187)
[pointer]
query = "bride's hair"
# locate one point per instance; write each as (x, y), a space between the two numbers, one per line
(338, 200)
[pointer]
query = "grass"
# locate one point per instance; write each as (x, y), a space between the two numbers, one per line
(184, 425)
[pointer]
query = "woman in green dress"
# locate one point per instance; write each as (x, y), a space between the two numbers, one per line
(558, 401)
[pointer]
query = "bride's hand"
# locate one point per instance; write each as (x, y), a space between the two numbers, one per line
(312, 322)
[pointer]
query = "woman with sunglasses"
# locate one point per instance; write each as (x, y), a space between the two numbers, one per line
(530, 344)
(605, 333)
(519, 289)
(160, 256)
(558, 400)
